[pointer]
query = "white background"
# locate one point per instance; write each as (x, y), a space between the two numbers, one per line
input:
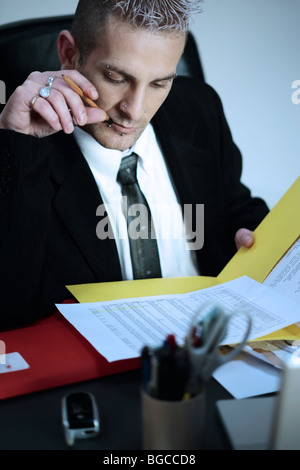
(250, 51)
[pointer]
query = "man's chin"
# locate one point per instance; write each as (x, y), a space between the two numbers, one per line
(109, 139)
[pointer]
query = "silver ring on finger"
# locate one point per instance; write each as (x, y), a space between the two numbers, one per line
(45, 91)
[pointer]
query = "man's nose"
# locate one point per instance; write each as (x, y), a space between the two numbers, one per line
(134, 104)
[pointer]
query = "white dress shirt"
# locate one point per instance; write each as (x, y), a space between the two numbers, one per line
(154, 180)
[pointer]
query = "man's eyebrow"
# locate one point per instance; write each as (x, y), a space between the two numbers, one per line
(112, 68)
(168, 77)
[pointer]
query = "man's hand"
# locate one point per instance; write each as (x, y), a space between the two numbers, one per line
(244, 237)
(44, 116)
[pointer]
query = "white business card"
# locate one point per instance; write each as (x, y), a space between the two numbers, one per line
(12, 362)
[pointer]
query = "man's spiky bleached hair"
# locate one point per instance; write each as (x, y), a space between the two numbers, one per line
(153, 15)
(158, 15)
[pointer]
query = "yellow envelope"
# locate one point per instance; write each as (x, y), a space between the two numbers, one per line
(99, 292)
(273, 238)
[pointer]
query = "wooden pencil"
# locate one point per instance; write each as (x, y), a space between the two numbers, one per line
(81, 94)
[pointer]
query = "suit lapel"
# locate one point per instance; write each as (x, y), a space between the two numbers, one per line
(188, 164)
(76, 203)
(191, 168)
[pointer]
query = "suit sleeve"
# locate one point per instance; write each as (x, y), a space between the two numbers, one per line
(241, 208)
(25, 207)
(228, 203)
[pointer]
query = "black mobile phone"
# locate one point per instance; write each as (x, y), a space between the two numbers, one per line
(80, 416)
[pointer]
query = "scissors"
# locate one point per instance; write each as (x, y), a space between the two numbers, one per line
(203, 347)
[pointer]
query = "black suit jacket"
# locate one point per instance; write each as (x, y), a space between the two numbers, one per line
(48, 202)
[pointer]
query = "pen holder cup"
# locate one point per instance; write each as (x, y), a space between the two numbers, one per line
(173, 425)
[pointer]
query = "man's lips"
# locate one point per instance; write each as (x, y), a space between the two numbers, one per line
(120, 128)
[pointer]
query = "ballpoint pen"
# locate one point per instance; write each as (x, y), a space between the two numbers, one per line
(165, 370)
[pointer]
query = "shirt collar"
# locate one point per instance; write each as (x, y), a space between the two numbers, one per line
(144, 148)
(107, 161)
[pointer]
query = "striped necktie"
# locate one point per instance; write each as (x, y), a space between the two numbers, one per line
(141, 233)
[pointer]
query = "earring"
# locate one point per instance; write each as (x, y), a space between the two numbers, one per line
(125, 105)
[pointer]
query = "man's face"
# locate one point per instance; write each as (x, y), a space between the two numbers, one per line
(133, 71)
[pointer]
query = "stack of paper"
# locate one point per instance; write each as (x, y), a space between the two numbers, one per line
(263, 280)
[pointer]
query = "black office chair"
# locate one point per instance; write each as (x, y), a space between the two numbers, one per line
(30, 45)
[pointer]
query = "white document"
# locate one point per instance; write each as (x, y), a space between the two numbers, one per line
(119, 329)
(245, 376)
(248, 377)
(285, 277)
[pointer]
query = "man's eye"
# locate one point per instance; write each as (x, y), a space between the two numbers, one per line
(163, 84)
(115, 80)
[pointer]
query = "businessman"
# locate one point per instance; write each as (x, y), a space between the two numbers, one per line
(81, 186)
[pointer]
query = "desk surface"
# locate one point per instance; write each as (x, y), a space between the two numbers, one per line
(33, 422)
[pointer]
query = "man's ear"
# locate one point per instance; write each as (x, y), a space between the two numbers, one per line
(67, 50)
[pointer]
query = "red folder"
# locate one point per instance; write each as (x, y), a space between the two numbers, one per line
(57, 355)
